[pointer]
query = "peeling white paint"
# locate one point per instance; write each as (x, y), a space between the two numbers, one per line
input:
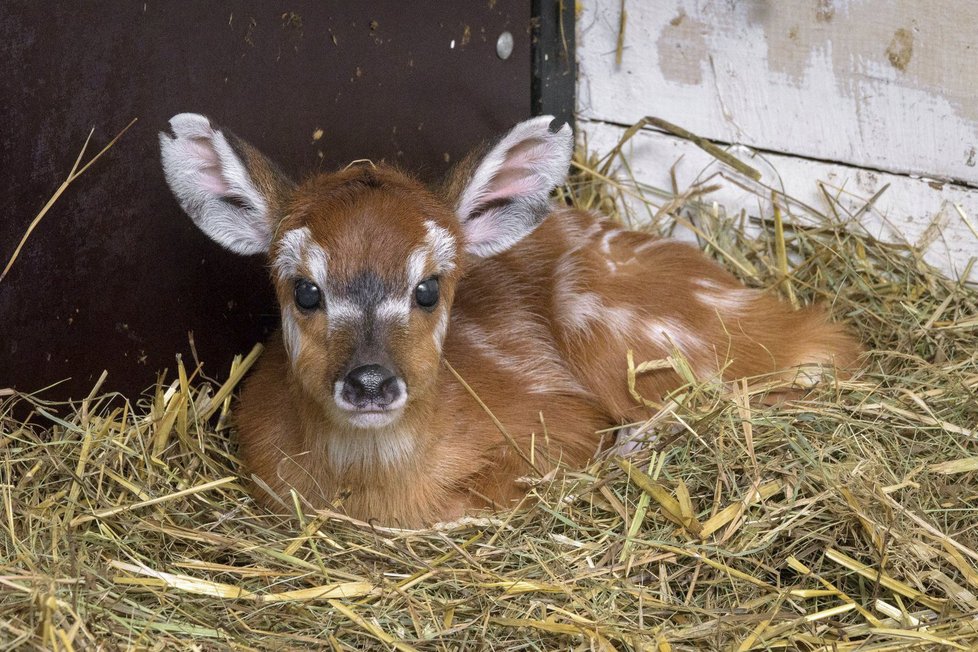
(886, 85)
(855, 93)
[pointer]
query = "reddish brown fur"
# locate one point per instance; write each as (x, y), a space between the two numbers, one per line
(552, 376)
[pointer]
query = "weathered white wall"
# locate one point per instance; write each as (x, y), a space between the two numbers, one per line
(856, 93)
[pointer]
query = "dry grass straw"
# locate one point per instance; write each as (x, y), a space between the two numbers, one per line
(846, 521)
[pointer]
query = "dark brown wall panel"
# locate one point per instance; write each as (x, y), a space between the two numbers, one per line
(116, 275)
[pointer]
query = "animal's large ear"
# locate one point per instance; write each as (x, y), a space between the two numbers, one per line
(508, 193)
(229, 189)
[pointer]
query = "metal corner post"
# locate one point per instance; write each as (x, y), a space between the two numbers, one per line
(554, 72)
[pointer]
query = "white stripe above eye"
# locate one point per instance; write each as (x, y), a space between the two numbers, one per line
(291, 246)
(439, 246)
(317, 263)
(442, 246)
(299, 255)
(416, 265)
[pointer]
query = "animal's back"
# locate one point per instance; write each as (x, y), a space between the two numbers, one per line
(540, 334)
(382, 281)
(564, 307)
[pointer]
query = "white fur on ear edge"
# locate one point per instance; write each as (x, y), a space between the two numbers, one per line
(213, 185)
(509, 193)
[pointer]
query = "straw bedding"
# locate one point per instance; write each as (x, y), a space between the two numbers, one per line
(844, 521)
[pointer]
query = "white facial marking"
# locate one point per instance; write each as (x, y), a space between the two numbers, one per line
(291, 249)
(442, 246)
(415, 267)
(300, 256)
(316, 263)
(438, 336)
(394, 310)
(291, 335)
(342, 311)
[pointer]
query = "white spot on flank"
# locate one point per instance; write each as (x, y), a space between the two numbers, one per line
(670, 333)
(579, 310)
(618, 319)
(648, 244)
(724, 298)
(525, 351)
(606, 240)
(594, 229)
(708, 284)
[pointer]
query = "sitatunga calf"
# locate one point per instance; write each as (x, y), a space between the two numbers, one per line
(380, 279)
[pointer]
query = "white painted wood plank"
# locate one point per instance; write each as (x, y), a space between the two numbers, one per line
(905, 212)
(884, 84)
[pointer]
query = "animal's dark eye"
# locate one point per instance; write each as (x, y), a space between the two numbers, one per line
(307, 295)
(426, 294)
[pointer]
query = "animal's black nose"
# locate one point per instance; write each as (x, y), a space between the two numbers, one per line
(371, 386)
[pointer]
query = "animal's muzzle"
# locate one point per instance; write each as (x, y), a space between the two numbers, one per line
(371, 387)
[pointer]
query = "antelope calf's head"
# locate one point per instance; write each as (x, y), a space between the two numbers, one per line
(366, 260)
(365, 269)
